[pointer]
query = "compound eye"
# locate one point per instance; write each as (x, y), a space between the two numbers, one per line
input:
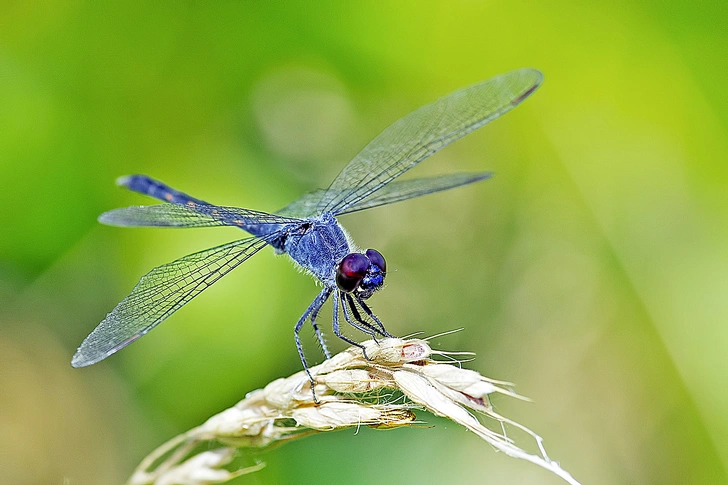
(377, 259)
(351, 271)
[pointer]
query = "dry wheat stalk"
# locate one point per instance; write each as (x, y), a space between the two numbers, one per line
(352, 391)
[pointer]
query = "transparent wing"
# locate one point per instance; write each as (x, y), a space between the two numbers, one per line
(389, 194)
(408, 189)
(160, 293)
(305, 206)
(198, 215)
(423, 132)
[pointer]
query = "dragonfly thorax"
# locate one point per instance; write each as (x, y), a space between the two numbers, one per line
(316, 246)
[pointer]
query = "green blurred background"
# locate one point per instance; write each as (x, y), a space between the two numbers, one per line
(591, 270)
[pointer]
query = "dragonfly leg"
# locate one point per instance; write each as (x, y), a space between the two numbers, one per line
(319, 335)
(368, 311)
(365, 327)
(337, 330)
(314, 307)
(358, 317)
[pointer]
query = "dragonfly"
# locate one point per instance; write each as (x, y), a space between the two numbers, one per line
(307, 230)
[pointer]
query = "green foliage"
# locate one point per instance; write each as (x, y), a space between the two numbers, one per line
(590, 270)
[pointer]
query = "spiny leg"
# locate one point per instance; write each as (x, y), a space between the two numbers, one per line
(296, 331)
(366, 328)
(358, 317)
(368, 311)
(337, 331)
(315, 306)
(316, 329)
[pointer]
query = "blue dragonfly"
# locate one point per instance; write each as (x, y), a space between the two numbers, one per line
(307, 229)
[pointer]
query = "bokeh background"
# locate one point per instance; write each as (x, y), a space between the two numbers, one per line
(591, 270)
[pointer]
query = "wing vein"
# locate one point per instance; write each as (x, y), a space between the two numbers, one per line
(161, 292)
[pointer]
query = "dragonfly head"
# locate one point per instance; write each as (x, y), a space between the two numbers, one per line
(361, 273)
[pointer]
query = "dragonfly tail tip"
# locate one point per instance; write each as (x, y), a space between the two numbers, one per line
(123, 181)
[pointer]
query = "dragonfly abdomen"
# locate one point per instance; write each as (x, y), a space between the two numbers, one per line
(154, 188)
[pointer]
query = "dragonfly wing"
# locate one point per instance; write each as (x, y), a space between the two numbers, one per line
(198, 215)
(160, 293)
(398, 191)
(423, 132)
(305, 206)
(163, 215)
(408, 189)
